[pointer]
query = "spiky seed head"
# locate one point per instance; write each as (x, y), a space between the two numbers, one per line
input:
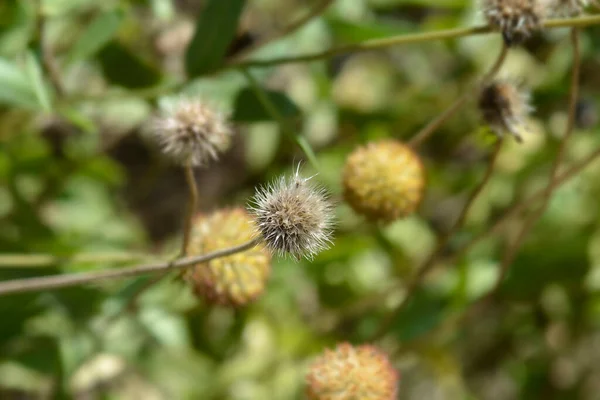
(384, 180)
(294, 216)
(350, 373)
(191, 132)
(515, 19)
(234, 280)
(505, 108)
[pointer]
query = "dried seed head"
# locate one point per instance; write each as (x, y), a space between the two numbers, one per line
(294, 216)
(384, 180)
(349, 372)
(568, 8)
(233, 280)
(515, 19)
(505, 108)
(191, 132)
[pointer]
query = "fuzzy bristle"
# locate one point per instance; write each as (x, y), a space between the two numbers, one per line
(350, 373)
(517, 20)
(191, 132)
(294, 216)
(505, 108)
(234, 280)
(384, 180)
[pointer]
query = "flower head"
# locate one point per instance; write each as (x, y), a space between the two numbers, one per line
(505, 108)
(234, 280)
(515, 19)
(349, 373)
(294, 216)
(384, 180)
(566, 8)
(192, 133)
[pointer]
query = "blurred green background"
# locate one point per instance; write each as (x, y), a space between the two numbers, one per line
(79, 80)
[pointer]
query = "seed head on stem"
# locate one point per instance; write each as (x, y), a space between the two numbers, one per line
(191, 132)
(294, 216)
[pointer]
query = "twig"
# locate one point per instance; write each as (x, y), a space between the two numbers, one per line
(187, 235)
(441, 244)
(434, 125)
(291, 28)
(47, 58)
(374, 44)
(191, 210)
(67, 280)
(512, 250)
(526, 203)
(263, 98)
(48, 260)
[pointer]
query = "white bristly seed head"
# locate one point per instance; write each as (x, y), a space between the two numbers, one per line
(294, 216)
(191, 132)
(517, 20)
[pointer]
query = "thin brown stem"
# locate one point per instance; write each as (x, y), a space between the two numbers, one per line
(513, 249)
(187, 235)
(376, 44)
(434, 125)
(442, 242)
(48, 260)
(526, 203)
(48, 61)
(191, 209)
(67, 280)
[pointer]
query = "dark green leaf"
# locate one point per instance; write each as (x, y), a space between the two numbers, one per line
(249, 108)
(216, 27)
(123, 68)
(96, 35)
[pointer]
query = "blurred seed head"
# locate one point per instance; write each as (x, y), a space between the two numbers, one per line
(191, 132)
(235, 280)
(569, 8)
(515, 19)
(349, 373)
(294, 216)
(384, 180)
(505, 108)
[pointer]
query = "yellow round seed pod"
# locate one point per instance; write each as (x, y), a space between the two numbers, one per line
(384, 180)
(234, 280)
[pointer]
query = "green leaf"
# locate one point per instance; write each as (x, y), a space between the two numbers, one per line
(34, 71)
(17, 89)
(122, 67)
(97, 35)
(249, 108)
(216, 27)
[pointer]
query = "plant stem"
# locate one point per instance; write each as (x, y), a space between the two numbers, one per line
(67, 280)
(283, 124)
(512, 250)
(441, 244)
(48, 260)
(434, 125)
(191, 209)
(374, 44)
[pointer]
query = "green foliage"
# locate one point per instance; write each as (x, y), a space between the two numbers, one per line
(84, 188)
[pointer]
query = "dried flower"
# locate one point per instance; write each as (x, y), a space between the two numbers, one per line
(384, 180)
(192, 133)
(505, 108)
(294, 216)
(233, 280)
(566, 8)
(349, 373)
(515, 19)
